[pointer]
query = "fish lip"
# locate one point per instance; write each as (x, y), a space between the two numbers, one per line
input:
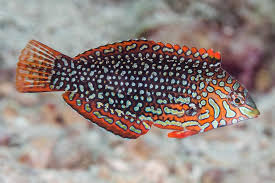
(254, 113)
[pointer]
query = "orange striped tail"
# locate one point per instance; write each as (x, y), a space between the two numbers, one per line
(35, 68)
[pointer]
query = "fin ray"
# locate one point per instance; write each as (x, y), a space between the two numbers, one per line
(35, 67)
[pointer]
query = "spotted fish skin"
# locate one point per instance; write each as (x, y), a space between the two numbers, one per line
(127, 87)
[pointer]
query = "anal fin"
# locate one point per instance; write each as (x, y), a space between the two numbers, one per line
(112, 120)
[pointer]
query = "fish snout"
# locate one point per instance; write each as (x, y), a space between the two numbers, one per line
(254, 112)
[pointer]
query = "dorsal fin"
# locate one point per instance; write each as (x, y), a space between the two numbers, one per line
(147, 46)
(112, 120)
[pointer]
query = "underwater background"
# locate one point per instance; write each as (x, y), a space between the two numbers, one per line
(42, 140)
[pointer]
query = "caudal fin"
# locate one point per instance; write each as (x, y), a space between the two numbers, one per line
(35, 67)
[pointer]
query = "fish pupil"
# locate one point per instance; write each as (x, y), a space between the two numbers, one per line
(237, 100)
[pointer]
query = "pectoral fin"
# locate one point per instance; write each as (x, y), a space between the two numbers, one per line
(182, 134)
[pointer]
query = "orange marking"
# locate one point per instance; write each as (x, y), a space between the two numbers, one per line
(210, 53)
(218, 55)
(161, 44)
(194, 128)
(176, 47)
(168, 45)
(194, 50)
(181, 134)
(185, 48)
(202, 51)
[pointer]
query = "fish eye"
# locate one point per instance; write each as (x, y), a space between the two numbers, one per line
(237, 101)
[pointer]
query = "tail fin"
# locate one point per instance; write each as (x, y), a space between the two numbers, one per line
(35, 68)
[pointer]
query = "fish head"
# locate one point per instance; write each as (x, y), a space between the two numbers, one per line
(242, 103)
(237, 104)
(227, 102)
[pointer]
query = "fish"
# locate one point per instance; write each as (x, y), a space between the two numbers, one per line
(130, 86)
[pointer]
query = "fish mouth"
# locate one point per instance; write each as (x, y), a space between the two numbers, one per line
(249, 112)
(254, 113)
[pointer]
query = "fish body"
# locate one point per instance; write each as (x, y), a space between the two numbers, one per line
(130, 86)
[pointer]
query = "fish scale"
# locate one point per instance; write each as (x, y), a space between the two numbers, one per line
(126, 87)
(151, 90)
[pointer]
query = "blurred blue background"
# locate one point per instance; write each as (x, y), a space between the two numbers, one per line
(43, 140)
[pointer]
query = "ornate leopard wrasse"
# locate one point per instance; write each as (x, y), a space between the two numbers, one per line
(126, 87)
